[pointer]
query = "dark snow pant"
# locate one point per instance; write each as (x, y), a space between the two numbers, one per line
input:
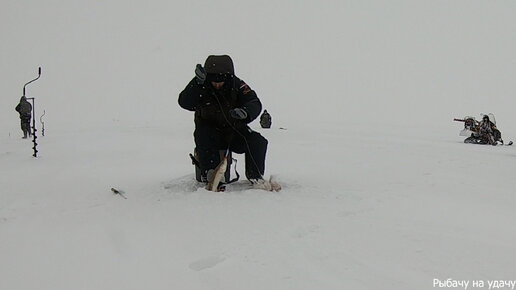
(25, 126)
(209, 140)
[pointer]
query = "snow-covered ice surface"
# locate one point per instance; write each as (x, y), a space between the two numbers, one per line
(357, 211)
(379, 192)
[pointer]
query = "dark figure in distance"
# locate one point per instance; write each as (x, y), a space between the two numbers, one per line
(24, 108)
(265, 120)
(488, 130)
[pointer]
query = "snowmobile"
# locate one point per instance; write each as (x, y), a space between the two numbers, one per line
(476, 134)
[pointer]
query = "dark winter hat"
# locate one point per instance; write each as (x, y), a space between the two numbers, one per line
(219, 64)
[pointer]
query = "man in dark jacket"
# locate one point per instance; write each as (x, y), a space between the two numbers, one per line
(223, 106)
(24, 108)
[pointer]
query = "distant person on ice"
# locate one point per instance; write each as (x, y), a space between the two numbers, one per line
(265, 120)
(24, 108)
(488, 130)
(223, 106)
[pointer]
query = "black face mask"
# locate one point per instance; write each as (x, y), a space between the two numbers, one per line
(218, 78)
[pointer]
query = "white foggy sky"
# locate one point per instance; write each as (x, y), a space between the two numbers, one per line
(128, 60)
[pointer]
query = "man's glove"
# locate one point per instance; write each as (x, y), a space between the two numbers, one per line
(200, 74)
(238, 113)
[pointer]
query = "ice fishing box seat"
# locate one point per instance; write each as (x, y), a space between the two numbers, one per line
(198, 172)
